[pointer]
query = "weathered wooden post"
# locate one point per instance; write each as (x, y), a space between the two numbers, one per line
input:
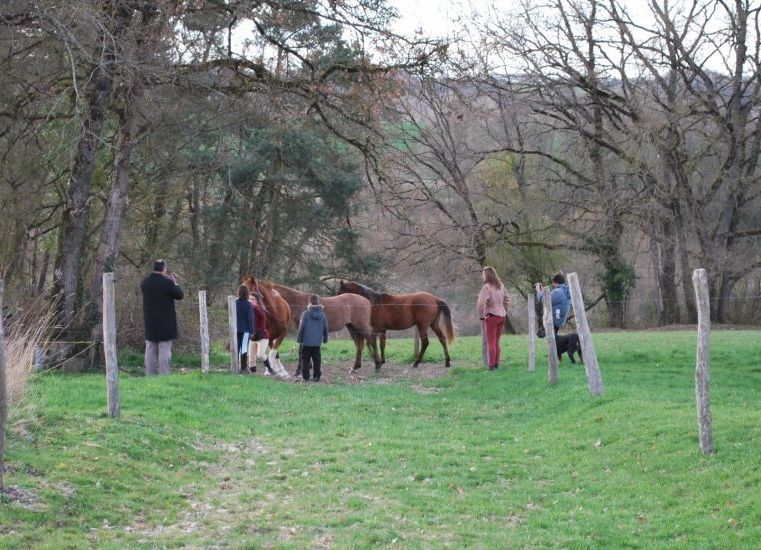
(204, 327)
(3, 389)
(702, 364)
(109, 345)
(484, 345)
(233, 318)
(594, 378)
(531, 334)
(552, 349)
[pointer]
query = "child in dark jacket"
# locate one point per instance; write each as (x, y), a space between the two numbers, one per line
(313, 332)
(244, 313)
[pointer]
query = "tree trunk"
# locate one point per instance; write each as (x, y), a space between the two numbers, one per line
(153, 228)
(723, 296)
(665, 269)
(3, 391)
(73, 230)
(266, 237)
(70, 259)
(686, 273)
(105, 259)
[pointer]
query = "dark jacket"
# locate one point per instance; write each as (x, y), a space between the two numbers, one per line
(313, 327)
(159, 294)
(244, 311)
(260, 322)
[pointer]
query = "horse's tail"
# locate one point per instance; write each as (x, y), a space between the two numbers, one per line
(444, 320)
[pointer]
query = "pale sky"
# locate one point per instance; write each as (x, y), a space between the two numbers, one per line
(436, 17)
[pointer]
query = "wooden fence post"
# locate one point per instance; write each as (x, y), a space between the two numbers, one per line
(484, 345)
(531, 334)
(549, 329)
(233, 318)
(702, 364)
(594, 377)
(109, 345)
(3, 389)
(204, 326)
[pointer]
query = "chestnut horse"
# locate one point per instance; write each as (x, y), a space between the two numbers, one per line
(350, 311)
(403, 311)
(278, 318)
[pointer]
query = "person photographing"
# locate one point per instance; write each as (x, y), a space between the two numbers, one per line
(160, 290)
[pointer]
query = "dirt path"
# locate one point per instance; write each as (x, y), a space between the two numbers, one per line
(341, 373)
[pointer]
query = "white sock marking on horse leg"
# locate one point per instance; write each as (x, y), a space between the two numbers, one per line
(277, 366)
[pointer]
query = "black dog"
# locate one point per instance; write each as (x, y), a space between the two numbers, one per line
(568, 343)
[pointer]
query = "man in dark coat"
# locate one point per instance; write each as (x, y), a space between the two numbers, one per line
(160, 290)
(313, 332)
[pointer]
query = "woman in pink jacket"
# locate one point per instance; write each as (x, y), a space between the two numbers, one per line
(492, 309)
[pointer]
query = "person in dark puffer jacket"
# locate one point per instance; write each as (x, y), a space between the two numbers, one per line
(313, 332)
(244, 312)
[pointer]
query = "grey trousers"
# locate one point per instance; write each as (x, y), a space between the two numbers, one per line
(158, 357)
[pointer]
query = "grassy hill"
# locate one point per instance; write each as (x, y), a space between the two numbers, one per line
(461, 458)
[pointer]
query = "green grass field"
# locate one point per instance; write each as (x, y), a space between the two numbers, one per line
(468, 459)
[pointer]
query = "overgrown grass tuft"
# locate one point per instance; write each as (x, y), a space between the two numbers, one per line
(472, 458)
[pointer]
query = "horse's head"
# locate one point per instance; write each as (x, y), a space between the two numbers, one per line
(249, 281)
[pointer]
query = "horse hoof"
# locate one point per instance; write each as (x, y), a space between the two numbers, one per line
(377, 368)
(354, 369)
(448, 365)
(415, 365)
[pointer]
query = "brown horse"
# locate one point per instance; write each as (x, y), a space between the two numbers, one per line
(278, 318)
(402, 311)
(350, 311)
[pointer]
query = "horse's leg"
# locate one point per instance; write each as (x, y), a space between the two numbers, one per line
(280, 364)
(423, 332)
(372, 342)
(275, 362)
(383, 347)
(443, 340)
(266, 351)
(359, 342)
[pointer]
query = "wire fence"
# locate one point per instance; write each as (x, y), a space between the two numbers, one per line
(131, 330)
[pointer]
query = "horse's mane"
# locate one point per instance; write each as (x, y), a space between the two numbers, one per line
(373, 295)
(286, 288)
